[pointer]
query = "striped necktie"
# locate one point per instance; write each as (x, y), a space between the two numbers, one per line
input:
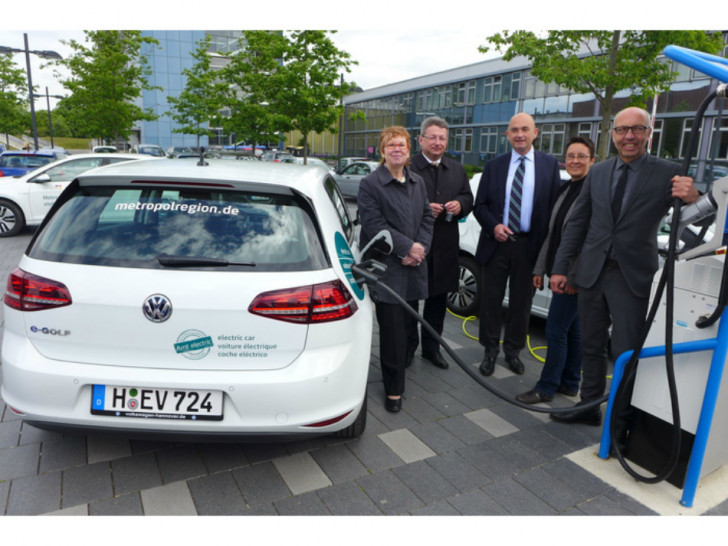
(514, 204)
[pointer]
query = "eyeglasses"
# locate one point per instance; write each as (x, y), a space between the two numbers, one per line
(636, 129)
(397, 146)
(435, 138)
(580, 157)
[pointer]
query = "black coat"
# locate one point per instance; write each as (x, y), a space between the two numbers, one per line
(404, 211)
(446, 183)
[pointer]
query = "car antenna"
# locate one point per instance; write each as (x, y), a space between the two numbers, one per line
(202, 162)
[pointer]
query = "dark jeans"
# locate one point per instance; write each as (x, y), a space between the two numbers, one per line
(563, 338)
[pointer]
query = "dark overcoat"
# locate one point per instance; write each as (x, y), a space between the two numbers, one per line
(448, 182)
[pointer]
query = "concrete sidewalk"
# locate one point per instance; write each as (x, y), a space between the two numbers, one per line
(455, 449)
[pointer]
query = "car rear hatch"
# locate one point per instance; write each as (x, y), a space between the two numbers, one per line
(166, 278)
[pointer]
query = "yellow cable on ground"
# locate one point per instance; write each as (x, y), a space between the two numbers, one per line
(528, 338)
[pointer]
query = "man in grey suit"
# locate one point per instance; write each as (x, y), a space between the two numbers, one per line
(614, 229)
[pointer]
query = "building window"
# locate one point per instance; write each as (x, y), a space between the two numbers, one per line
(687, 128)
(466, 93)
(719, 147)
(551, 138)
(461, 140)
(492, 89)
(489, 140)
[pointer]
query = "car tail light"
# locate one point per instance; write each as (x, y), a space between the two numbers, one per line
(27, 292)
(314, 304)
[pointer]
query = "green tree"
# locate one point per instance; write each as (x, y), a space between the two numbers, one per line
(252, 80)
(13, 95)
(313, 83)
(106, 80)
(603, 62)
(200, 100)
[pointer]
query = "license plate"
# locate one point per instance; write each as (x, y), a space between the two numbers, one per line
(147, 403)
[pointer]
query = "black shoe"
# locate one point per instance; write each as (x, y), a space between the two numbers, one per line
(533, 397)
(591, 417)
(393, 404)
(567, 392)
(437, 360)
(515, 364)
(487, 367)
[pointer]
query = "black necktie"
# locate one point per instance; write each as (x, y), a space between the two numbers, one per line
(619, 192)
(514, 204)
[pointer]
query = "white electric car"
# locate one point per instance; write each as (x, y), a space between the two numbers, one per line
(26, 199)
(168, 297)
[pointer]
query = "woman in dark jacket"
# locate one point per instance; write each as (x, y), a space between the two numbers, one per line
(562, 369)
(395, 199)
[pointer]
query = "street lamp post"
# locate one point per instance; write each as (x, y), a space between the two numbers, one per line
(48, 106)
(45, 54)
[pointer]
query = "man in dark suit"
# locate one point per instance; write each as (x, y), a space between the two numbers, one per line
(450, 197)
(514, 200)
(614, 225)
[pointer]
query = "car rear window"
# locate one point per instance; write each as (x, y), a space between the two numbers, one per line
(133, 227)
(25, 161)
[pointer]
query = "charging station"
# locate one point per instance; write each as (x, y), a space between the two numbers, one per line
(687, 391)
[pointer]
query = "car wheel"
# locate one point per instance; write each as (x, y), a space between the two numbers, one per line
(11, 219)
(465, 301)
(355, 429)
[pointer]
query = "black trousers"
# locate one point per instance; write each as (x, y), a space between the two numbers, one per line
(397, 330)
(510, 264)
(434, 312)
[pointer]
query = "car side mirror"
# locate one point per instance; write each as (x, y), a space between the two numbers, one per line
(41, 178)
(381, 245)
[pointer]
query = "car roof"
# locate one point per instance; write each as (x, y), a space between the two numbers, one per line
(40, 170)
(236, 173)
(22, 152)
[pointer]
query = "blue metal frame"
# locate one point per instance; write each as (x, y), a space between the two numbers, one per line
(719, 346)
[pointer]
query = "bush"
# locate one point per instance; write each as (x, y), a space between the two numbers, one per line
(470, 170)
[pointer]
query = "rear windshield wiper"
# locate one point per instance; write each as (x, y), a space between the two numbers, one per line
(192, 261)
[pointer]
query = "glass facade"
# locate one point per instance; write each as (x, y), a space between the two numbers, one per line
(479, 107)
(167, 61)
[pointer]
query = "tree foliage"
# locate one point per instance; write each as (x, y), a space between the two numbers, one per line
(603, 62)
(106, 80)
(200, 100)
(13, 97)
(313, 84)
(252, 79)
(280, 81)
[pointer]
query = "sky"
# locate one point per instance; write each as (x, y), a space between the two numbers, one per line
(392, 41)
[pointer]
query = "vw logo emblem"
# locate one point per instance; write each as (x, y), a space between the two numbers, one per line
(157, 308)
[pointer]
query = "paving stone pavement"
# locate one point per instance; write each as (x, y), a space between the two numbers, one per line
(455, 449)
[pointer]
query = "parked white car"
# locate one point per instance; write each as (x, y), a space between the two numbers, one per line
(25, 200)
(170, 298)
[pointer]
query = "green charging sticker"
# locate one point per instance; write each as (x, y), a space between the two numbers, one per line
(346, 259)
(193, 344)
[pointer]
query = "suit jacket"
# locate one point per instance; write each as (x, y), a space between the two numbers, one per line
(491, 198)
(633, 235)
(403, 210)
(448, 183)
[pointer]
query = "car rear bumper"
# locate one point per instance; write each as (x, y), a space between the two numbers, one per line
(322, 384)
